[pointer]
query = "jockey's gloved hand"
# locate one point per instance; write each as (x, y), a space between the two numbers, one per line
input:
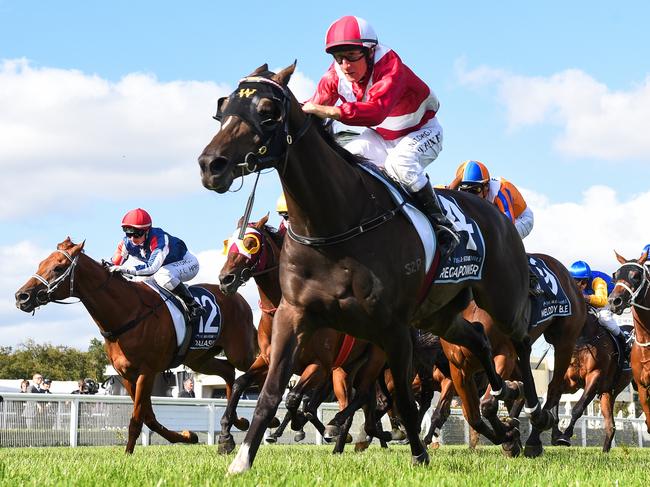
(122, 270)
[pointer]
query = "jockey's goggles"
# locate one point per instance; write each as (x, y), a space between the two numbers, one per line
(134, 232)
(351, 58)
(473, 188)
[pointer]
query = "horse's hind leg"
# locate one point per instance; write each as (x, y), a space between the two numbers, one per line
(588, 394)
(144, 410)
(441, 413)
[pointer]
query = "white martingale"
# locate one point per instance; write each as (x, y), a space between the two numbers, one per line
(458, 219)
(242, 462)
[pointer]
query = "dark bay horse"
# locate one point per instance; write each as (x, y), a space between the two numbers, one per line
(354, 261)
(595, 369)
(327, 360)
(560, 331)
(632, 285)
(144, 338)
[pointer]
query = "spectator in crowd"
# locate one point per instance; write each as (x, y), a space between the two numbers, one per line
(24, 385)
(37, 380)
(80, 387)
(188, 388)
(86, 386)
(46, 386)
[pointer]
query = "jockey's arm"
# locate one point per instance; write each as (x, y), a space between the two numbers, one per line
(121, 255)
(599, 298)
(524, 222)
(159, 252)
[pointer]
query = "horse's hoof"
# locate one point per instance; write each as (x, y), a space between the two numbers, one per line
(514, 390)
(190, 436)
(361, 446)
(271, 439)
(421, 459)
(331, 432)
(511, 449)
(299, 436)
(533, 451)
(434, 445)
(397, 435)
(226, 445)
(542, 419)
(511, 423)
(348, 438)
(275, 422)
(562, 441)
(242, 424)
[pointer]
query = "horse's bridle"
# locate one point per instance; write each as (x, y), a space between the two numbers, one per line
(258, 264)
(44, 298)
(274, 132)
(634, 293)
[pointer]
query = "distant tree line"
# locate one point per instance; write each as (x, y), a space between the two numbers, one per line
(56, 362)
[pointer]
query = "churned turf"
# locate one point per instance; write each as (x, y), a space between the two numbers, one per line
(305, 466)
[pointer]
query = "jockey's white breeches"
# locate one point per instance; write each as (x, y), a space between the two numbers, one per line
(606, 320)
(404, 159)
(171, 275)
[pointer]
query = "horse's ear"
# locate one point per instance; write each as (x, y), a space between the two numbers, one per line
(240, 222)
(284, 76)
(262, 69)
(80, 246)
(263, 220)
(643, 258)
(620, 258)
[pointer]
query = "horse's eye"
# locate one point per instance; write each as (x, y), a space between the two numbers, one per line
(59, 268)
(221, 105)
(268, 112)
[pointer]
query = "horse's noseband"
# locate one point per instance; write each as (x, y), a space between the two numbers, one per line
(633, 290)
(44, 296)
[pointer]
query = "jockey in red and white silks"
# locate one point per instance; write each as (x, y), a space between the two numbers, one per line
(379, 92)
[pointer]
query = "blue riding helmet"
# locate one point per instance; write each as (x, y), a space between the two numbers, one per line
(646, 249)
(580, 270)
(472, 173)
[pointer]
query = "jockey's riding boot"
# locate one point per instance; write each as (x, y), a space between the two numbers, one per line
(194, 309)
(446, 234)
(622, 345)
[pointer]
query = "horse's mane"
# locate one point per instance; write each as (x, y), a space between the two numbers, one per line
(275, 235)
(346, 155)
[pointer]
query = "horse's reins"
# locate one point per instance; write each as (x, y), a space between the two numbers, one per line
(52, 286)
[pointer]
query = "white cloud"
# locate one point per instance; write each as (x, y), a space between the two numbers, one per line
(71, 136)
(591, 229)
(596, 121)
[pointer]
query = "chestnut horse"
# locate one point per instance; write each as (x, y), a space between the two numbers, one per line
(595, 369)
(560, 331)
(141, 339)
(632, 284)
(354, 261)
(327, 356)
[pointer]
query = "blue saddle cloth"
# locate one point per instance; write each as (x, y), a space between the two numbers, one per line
(205, 331)
(553, 301)
(466, 262)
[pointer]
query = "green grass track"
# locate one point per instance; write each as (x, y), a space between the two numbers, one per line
(305, 466)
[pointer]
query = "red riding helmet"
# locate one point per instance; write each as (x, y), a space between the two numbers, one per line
(350, 31)
(137, 218)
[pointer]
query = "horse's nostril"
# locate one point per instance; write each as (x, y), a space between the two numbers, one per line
(22, 297)
(227, 279)
(218, 164)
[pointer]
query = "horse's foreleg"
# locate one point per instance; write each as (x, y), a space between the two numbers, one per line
(399, 352)
(135, 425)
(441, 413)
(591, 388)
(285, 342)
(542, 419)
(644, 400)
(255, 375)
(563, 353)
(607, 409)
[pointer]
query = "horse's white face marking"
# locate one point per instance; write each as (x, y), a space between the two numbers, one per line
(242, 462)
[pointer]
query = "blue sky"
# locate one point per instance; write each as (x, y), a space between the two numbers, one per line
(105, 107)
